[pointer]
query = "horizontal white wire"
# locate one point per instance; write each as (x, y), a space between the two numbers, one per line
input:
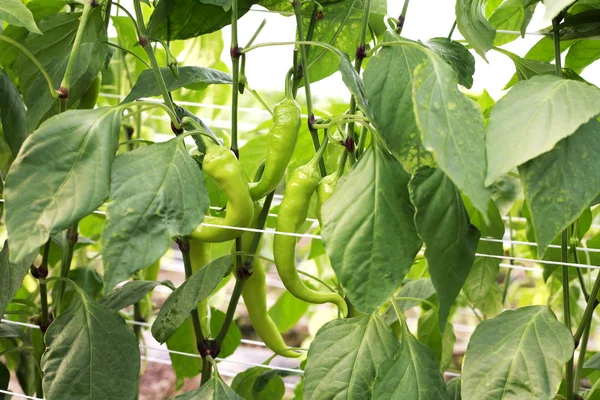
(521, 268)
(10, 322)
(533, 244)
(547, 262)
(23, 396)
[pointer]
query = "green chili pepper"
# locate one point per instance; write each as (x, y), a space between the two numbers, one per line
(282, 140)
(221, 164)
(292, 214)
(89, 99)
(254, 293)
(326, 188)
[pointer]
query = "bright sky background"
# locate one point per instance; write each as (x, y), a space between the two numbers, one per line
(425, 19)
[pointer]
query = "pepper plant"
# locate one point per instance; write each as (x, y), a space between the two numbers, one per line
(415, 182)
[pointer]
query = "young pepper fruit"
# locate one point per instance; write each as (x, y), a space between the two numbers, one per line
(222, 165)
(282, 141)
(292, 214)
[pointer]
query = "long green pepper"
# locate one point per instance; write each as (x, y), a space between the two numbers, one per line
(292, 214)
(282, 141)
(222, 165)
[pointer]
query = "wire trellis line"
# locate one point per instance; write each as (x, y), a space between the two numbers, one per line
(23, 396)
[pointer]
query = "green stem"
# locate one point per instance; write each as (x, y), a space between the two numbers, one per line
(584, 290)
(43, 271)
(593, 389)
(452, 30)
(258, 30)
(137, 316)
(65, 265)
(589, 310)
(65, 85)
(184, 246)
(124, 50)
(581, 359)
(402, 17)
(309, 108)
(567, 308)
(145, 42)
(557, 52)
(131, 17)
(233, 301)
(8, 40)
(206, 371)
(235, 61)
(326, 46)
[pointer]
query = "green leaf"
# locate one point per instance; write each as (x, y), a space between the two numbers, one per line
(344, 357)
(4, 379)
(245, 383)
(450, 239)
(287, 311)
(12, 114)
(12, 274)
(354, 83)
(593, 362)
(184, 340)
(186, 297)
(413, 373)
(14, 12)
(388, 84)
(481, 281)
(560, 184)
(418, 289)
(53, 50)
(525, 124)
(184, 19)
(10, 331)
(472, 24)
(457, 56)
(88, 279)
(131, 293)
(430, 334)
(214, 389)
(509, 16)
(141, 218)
(90, 353)
(452, 127)
(507, 356)
(453, 388)
(72, 154)
(582, 54)
(366, 217)
(554, 7)
(232, 339)
(225, 4)
(146, 85)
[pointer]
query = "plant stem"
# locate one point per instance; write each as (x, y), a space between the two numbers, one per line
(557, 52)
(305, 74)
(360, 56)
(43, 270)
(124, 50)
(452, 30)
(65, 85)
(145, 43)
(233, 301)
(589, 310)
(65, 265)
(402, 17)
(235, 62)
(581, 359)
(184, 247)
(206, 371)
(567, 308)
(37, 63)
(309, 35)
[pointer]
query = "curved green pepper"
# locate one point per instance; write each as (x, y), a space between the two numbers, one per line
(292, 214)
(282, 140)
(222, 165)
(200, 256)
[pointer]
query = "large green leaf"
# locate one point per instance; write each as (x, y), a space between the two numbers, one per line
(287, 311)
(413, 373)
(364, 220)
(388, 87)
(245, 384)
(184, 19)
(582, 54)
(560, 184)
(517, 355)
(473, 26)
(131, 293)
(71, 154)
(214, 389)
(91, 353)
(481, 281)
(146, 85)
(15, 13)
(525, 123)
(509, 16)
(450, 239)
(53, 50)
(457, 56)
(12, 114)
(554, 7)
(453, 388)
(186, 297)
(11, 275)
(452, 127)
(184, 341)
(157, 192)
(344, 357)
